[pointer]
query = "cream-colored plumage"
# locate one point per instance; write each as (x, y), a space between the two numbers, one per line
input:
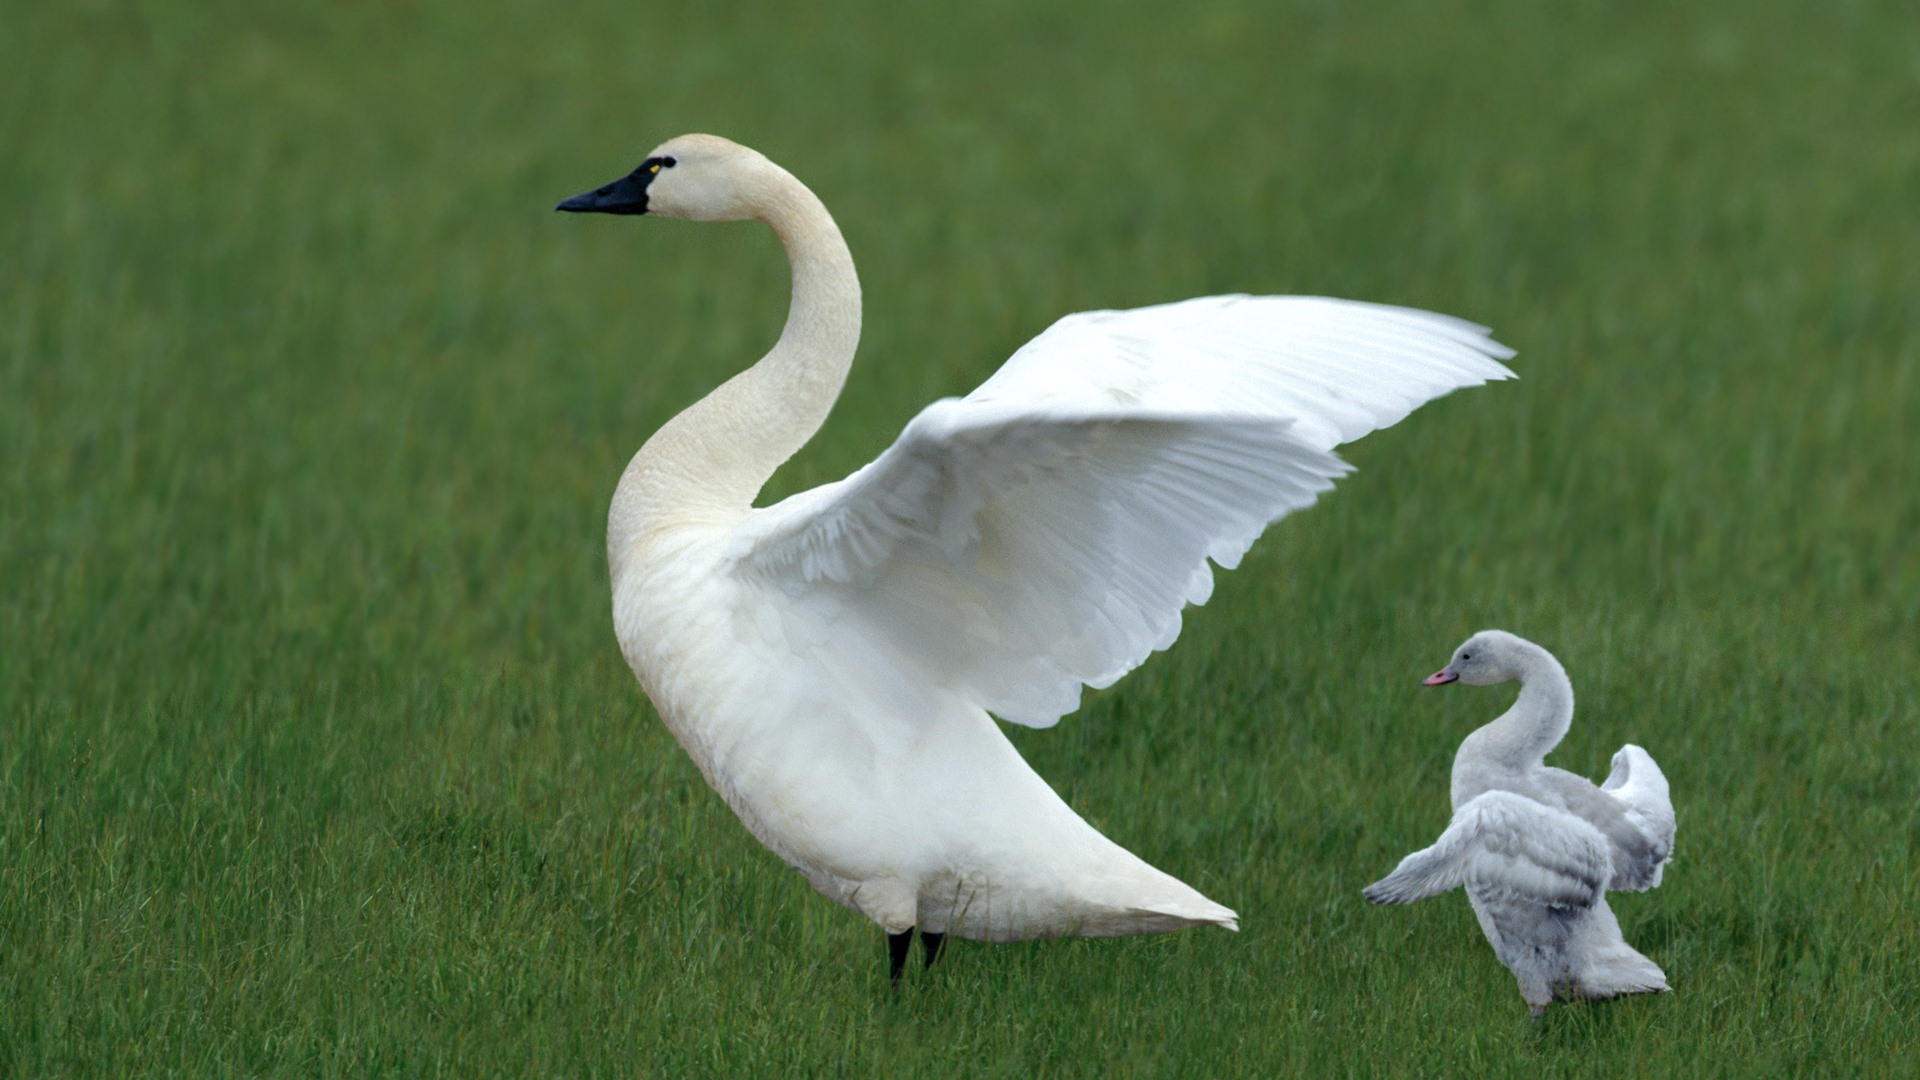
(830, 662)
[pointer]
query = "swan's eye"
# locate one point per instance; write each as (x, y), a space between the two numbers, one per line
(1466, 656)
(668, 162)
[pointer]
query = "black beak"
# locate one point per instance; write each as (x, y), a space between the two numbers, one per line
(627, 195)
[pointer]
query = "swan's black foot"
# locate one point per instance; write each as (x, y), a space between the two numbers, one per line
(932, 945)
(897, 947)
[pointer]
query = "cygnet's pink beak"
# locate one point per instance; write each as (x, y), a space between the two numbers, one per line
(1440, 678)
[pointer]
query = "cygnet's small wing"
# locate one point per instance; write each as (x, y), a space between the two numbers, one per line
(1631, 810)
(1510, 849)
(1045, 532)
(1639, 785)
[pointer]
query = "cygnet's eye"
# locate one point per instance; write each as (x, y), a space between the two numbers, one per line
(1466, 656)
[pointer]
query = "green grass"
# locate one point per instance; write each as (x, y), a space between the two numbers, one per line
(316, 752)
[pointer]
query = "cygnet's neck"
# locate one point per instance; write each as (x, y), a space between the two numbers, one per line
(1523, 735)
(707, 464)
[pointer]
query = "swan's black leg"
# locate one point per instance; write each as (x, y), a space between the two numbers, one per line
(932, 945)
(897, 946)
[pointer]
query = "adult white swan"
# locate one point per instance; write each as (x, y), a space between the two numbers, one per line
(1536, 847)
(830, 662)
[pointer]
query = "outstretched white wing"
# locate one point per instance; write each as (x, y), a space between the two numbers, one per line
(1045, 531)
(1510, 850)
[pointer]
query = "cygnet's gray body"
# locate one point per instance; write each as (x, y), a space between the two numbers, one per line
(1537, 848)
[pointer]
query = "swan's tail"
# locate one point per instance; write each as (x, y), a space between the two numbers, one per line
(1146, 901)
(1160, 903)
(1204, 913)
(1623, 971)
(1606, 965)
(1012, 923)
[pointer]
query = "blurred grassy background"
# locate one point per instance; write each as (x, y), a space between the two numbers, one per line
(316, 751)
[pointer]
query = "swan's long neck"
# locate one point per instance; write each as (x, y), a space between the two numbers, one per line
(1538, 720)
(708, 463)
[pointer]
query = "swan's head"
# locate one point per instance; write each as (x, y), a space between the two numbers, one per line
(699, 177)
(1488, 657)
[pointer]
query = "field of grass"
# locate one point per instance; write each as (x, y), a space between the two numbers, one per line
(317, 754)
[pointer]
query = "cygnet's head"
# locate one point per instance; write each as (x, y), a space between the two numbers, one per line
(698, 177)
(1488, 657)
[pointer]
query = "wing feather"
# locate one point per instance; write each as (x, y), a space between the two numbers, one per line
(1509, 846)
(1045, 532)
(1639, 785)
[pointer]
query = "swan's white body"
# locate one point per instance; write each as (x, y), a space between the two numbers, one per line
(1536, 847)
(830, 662)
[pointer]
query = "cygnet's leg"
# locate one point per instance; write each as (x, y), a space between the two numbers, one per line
(897, 947)
(932, 945)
